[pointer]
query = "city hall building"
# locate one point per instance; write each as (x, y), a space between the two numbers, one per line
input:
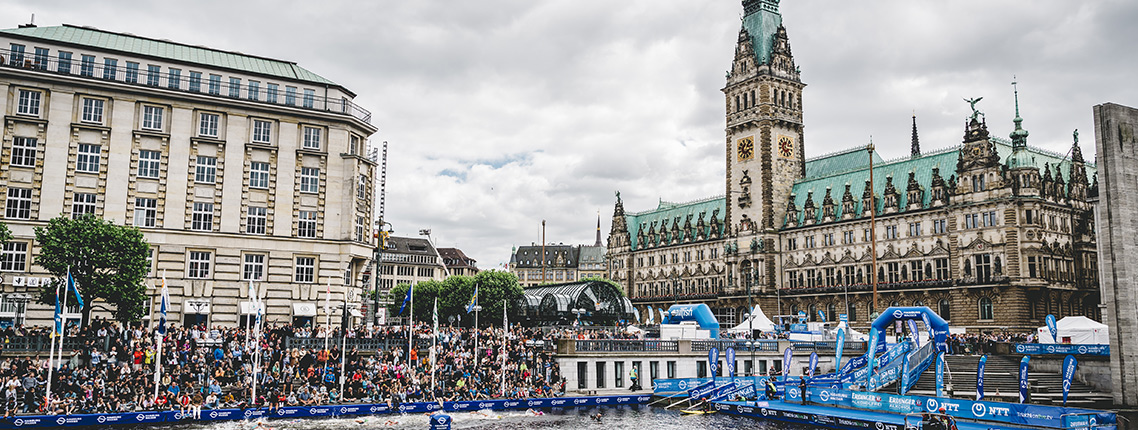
(990, 232)
(235, 167)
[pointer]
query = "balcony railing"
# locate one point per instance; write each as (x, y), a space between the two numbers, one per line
(768, 345)
(183, 83)
(618, 345)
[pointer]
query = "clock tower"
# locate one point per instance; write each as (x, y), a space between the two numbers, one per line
(763, 99)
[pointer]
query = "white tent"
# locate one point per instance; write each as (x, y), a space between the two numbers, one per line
(851, 334)
(1076, 330)
(756, 321)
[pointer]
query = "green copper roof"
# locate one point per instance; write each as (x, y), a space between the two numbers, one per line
(899, 169)
(849, 159)
(666, 212)
(761, 20)
(173, 51)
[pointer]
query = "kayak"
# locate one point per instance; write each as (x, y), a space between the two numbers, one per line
(695, 412)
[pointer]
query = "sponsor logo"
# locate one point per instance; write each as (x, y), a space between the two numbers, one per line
(213, 414)
(997, 411)
(318, 410)
(746, 409)
(602, 400)
(722, 407)
(557, 402)
(682, 312)
(622, 399)
(979, 410)
(763, 411)
(824, 396)
(792, 392)
(896, 314)
(61, 420)
(879, 424)
(485, 405)
(643, 398)
(932, 405)
(533, 403)
(101, 419)
(1082, 350)
(372, 409)
(683, 384)
(1019, 349)
(462, 405)
(579, 401)
(18, 422)
(510, 404)
(822, 419)
(1050, 349)
(248, 413)
(441, 420)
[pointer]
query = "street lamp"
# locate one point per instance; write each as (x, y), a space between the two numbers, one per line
(383, 235)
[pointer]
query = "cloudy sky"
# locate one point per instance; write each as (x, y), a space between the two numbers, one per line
(502, 113)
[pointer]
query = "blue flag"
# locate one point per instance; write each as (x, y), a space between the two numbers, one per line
(406, 299)
(912, 324)
(713, 360)
(904, 386)
(786, 361)
(473, 301)
(980, 378)
(839, 344)
(872, 354)
(1053, 328)
(730, 361)
(58, 314)
(1069, 366)
(1023, 378)
(940, 374)
(72, 288)
(813, 364)
(821, 315)
(165, 306)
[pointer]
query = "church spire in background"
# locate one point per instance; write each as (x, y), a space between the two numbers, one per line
(598, 229)
(916, 149)
(1019, 135)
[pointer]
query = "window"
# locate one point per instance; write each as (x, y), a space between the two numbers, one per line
(600, 374)
(202, 219)
(312, 138)
(234, 87)
(305, 269)
(1032, 269)
(28, 102)
(214, 84)
(309, 98)
(848, 237)
(940, 226)
(254, 267)
(14, 257)
(87, 66)
(207, 126)
(24, 152)
(92, 110)
(145, 212)
(88, 159)
(361, 188)
(361, 235)
(1029, 217)
(914, 229)
(258, 175)
(41, 58)
(254, 91)
(19, 203)
(971, 220)
(153, 73)
(989, 218)
(306, 224)
(82, 204)
(17, 55)
(255, 222)
(941, 268)
(174, 80)
(290, 96)
(196, 82)
(986, 308)
(152, 117)
(309, 180)
(206, 170)
(582, 374)
(271, 93)
(262, 131)
(354, 145)
(148, 163)
(199, 264)
(64, 65)
(828, 239)
(792, 243)
(983, 267)
(110, 68)
(131, 72)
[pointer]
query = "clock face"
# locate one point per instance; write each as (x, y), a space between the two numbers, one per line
(786, 146)
(746, 148)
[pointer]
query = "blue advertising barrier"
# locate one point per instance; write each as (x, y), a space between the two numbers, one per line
(678, 385)
(1011, 413)
(1061, 349)
(154, 417)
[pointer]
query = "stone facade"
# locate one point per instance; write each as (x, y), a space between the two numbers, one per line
(991, 233)
(230, 164)
(1117, 214)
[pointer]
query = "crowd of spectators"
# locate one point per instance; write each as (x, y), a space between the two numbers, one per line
(983, 343)
(111, 368)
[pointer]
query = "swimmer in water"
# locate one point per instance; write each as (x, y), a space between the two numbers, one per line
(534, 412)
(596, 417)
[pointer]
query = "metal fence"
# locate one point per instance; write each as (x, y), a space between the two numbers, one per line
(739, 345)
(619, 345)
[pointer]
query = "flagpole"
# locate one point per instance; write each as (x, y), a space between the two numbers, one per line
(327, 314)
(63, 329)
(344, 346)
(505, 331)
(51, 352)
(256, 334)
(411, 322)
(434, 342)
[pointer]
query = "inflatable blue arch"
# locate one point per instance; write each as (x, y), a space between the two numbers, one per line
(700, 313)
(919, 313)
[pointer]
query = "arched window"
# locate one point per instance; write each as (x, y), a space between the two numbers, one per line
(944, 309)
(919, 303)
(986, 308)
(831, 312)
(813, 314)
(851, 312)
(794, 309)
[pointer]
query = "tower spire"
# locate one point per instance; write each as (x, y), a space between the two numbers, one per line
(916, 149)
(1019, 135)
(598, 228)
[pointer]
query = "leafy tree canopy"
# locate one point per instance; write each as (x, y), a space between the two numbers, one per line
(5, 234)
(495, 289)
(108, 262)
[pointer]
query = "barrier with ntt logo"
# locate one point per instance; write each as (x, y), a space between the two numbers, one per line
(1061, 349)
(1011, 413)
(762, 410)
(43, 421)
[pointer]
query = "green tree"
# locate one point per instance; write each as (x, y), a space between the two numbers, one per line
(454, 294)
(108, 262)
(5, 234)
